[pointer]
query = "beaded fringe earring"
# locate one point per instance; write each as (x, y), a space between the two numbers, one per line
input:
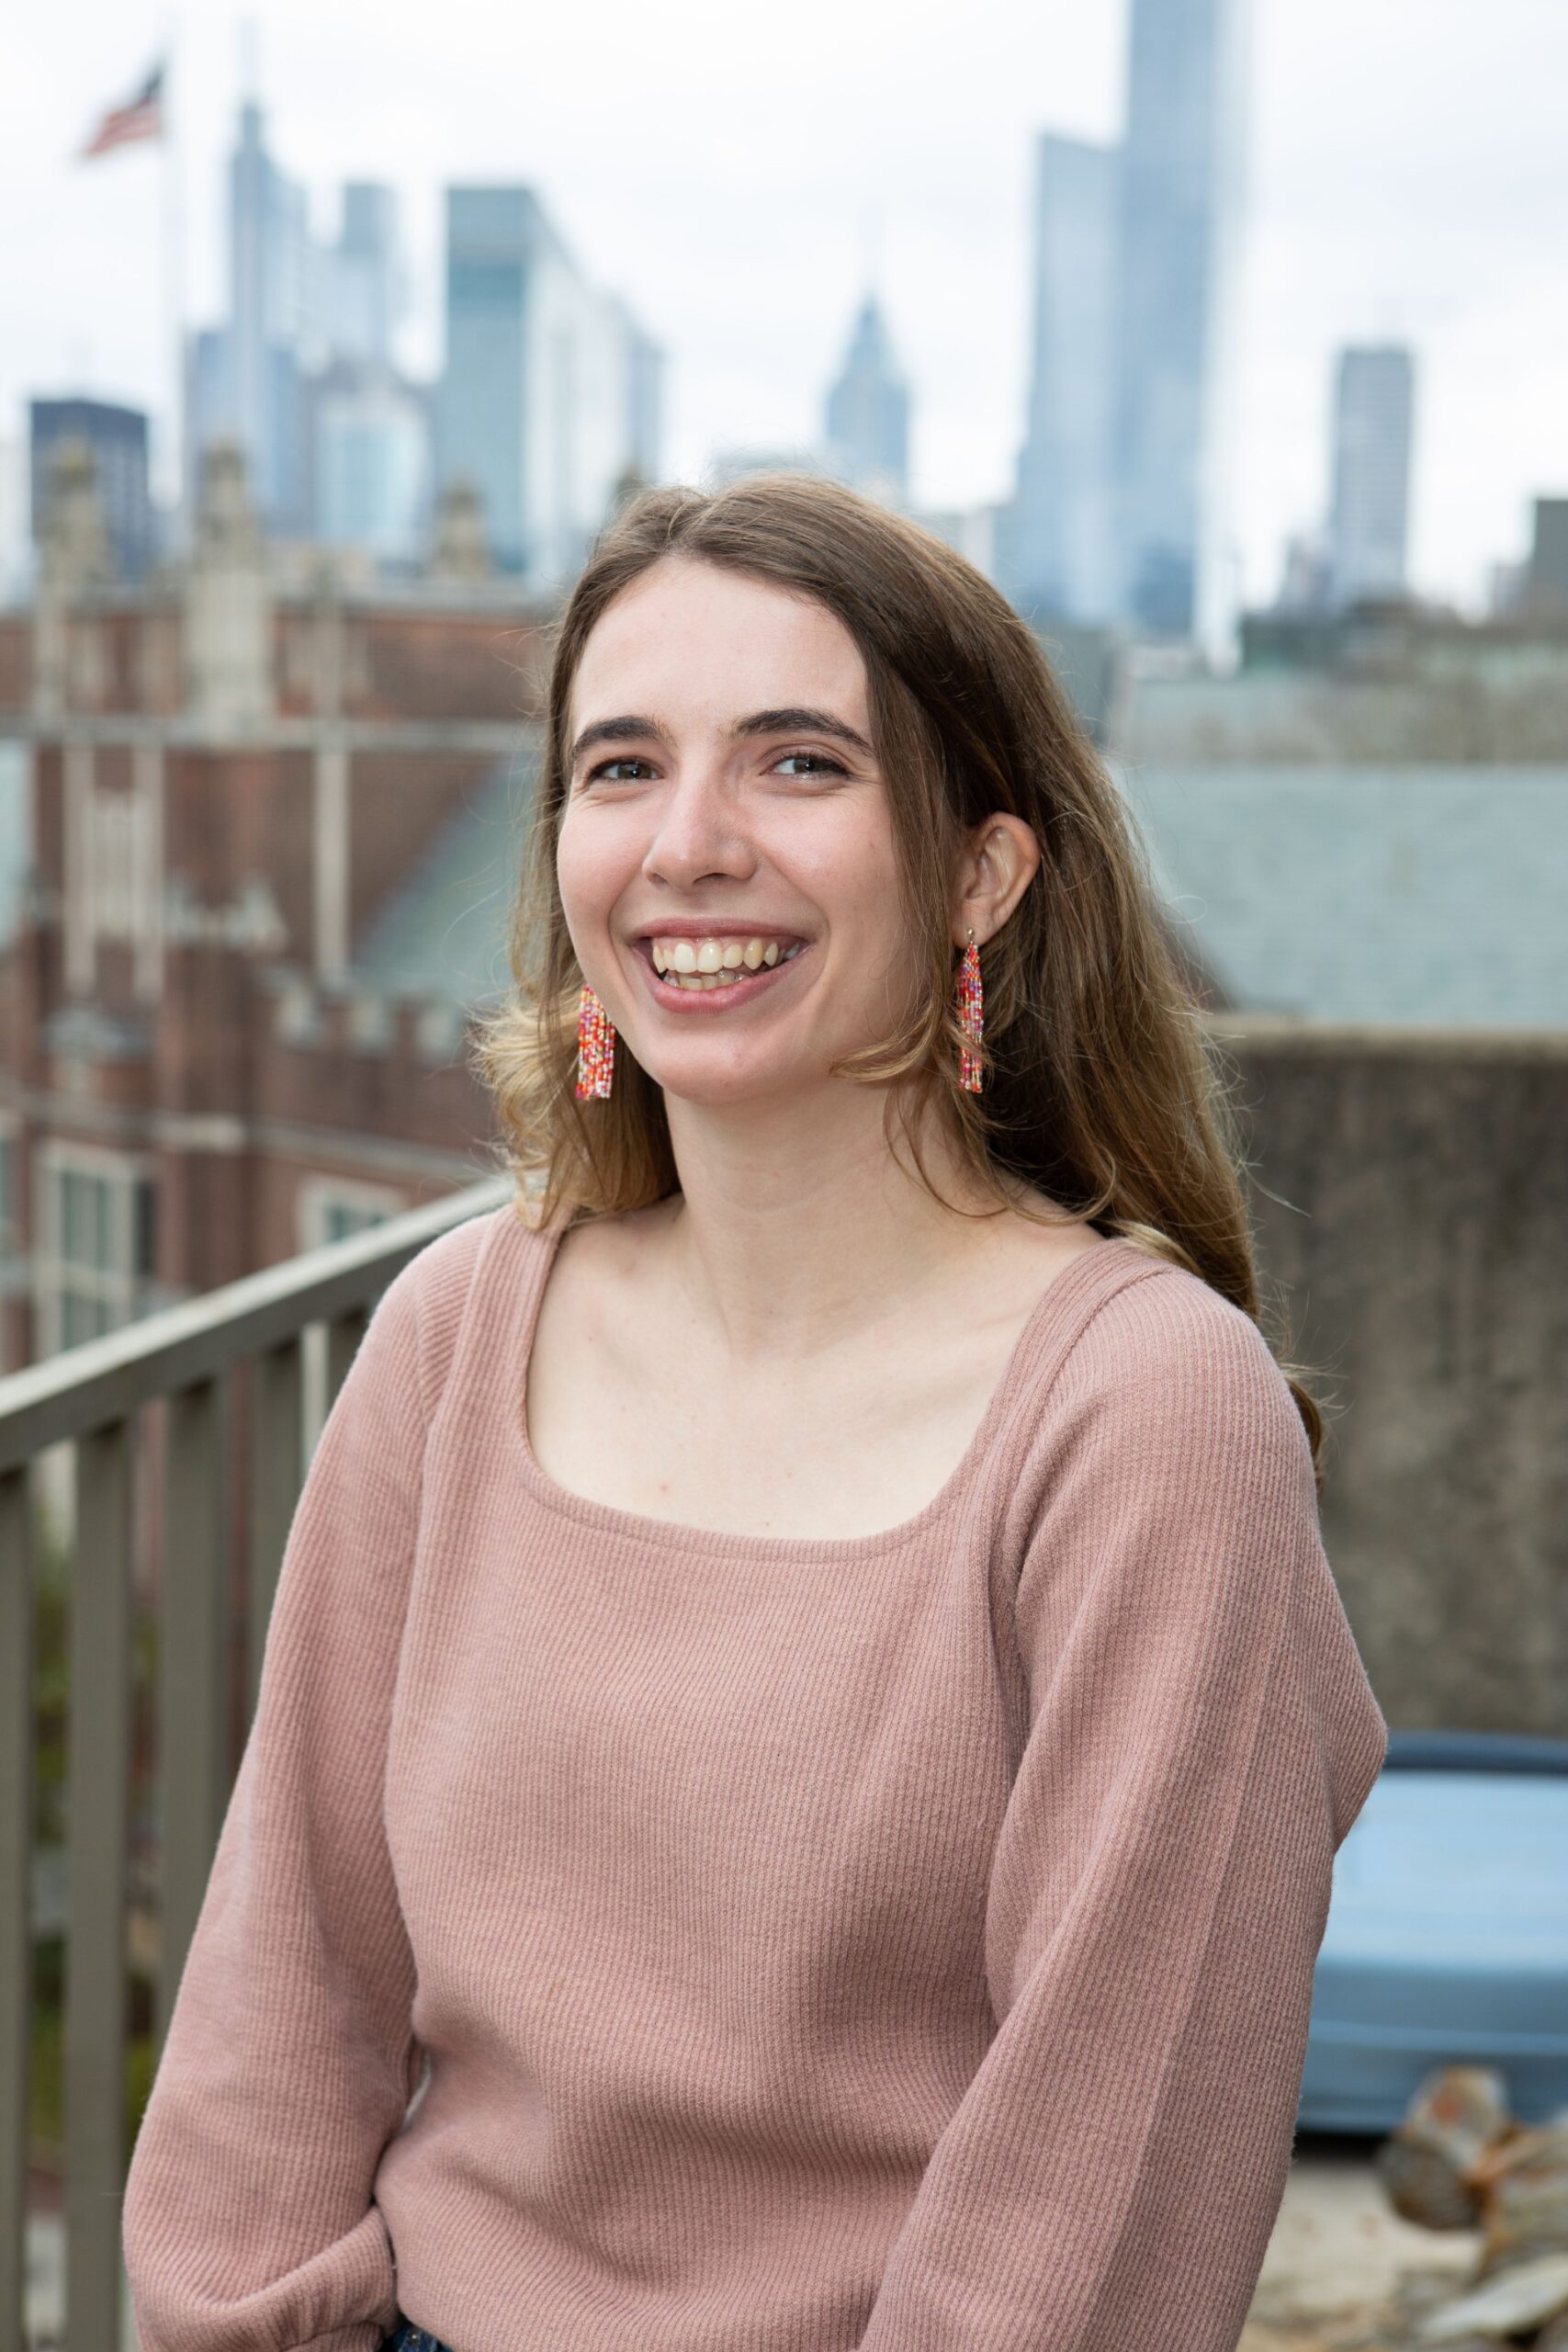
(595, 1048)
(971, 1017)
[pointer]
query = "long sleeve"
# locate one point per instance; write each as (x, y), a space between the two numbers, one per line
(248, 2221)
(1199, 1737)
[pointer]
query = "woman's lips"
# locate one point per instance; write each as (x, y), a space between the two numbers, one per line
(713, 1001)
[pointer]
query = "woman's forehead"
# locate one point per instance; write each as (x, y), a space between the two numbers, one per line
(689, 640)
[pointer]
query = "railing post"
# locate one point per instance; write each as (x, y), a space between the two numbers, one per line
(343, 1334)
(16, 1891)
(99, 1785)
(193, 1678)
(276, 1471)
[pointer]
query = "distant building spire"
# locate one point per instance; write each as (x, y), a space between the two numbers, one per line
(74, 557)
(75, 550)
(461, 550)
(868, 412)
(227, 601)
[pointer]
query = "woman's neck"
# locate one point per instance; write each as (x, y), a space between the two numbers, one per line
(796, 1225)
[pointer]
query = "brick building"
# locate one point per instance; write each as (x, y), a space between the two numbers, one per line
(242, 795)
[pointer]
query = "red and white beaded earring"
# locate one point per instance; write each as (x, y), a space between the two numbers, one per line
(971, 1017)
(595, 1048)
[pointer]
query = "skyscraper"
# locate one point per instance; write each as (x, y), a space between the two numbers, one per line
(1546, 571)
(246, 379)
(365, 276)
(1176, 231)
(370, 461)
(118, 438)
(644, 400)
(272, 284)
(1061, 533)
(1370, 501)
(550, 391)
(868, 417)
(370, 431)
(1118, 502)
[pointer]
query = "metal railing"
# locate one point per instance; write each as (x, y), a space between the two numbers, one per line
(91, 1396)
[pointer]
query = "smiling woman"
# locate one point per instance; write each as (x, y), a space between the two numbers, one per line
(786, 672)
(805, 1689)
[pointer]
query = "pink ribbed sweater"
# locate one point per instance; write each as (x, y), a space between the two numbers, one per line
(626, 1937)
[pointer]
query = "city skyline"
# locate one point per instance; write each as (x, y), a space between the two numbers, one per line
(1378, 222)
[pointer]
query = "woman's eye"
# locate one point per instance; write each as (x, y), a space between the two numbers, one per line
(616, 771)
(809, 763)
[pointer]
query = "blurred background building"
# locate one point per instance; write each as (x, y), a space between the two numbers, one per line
(1369, 521)
(1118, 505)
(256, 871)
(551, 398)
(867, 412)
(1063, 546)
(118, 439)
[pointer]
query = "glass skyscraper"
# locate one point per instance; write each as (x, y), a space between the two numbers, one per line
(551, 394)
(1062, 523)
(244, 379)
(1177, 227)
(118, 438)
(1369, 503)
(1120, 487)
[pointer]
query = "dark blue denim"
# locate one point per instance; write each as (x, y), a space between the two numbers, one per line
(406, 2337)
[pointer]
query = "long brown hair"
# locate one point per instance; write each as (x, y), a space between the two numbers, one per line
(1102, 1090)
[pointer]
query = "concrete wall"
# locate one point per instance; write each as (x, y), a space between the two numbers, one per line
(1416, 1243)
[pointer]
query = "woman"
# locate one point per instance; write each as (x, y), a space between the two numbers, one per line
(805, 1721)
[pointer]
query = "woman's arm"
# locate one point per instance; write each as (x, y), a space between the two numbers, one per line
(1201, 1736)
(289, 2059)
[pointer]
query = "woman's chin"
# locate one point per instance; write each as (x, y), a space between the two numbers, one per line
(715, 1082)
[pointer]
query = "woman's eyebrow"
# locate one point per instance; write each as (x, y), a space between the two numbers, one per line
(801, 722)
(629, 730)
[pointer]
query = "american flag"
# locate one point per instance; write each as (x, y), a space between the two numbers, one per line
(141, 119)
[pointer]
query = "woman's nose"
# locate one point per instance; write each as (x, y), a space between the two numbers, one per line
(699, 835)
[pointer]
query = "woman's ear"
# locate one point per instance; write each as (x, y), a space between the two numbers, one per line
(1000, 859)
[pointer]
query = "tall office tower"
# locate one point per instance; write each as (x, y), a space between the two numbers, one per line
(1370, 504)
(1546, 571)
(15, 539)
(645, 402)
(273, 321)
(118, 438)
(368, 429)
(1060, 539)
(365, 276)
(1178, 214)
(549, 385)
(867, 415)
(244, 379)
(371, 433)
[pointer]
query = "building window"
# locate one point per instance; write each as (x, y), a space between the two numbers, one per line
(331, 1207)
(344, 1217)
(94, 1261)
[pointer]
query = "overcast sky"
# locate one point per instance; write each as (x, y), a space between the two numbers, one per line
(735, 170)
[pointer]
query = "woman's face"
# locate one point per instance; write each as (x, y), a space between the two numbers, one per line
(726, 856)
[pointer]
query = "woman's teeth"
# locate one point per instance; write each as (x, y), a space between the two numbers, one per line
(716, 962)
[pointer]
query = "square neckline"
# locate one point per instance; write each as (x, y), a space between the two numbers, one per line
(641, 1527)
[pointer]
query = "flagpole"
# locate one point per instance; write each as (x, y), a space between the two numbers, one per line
(173, 243)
